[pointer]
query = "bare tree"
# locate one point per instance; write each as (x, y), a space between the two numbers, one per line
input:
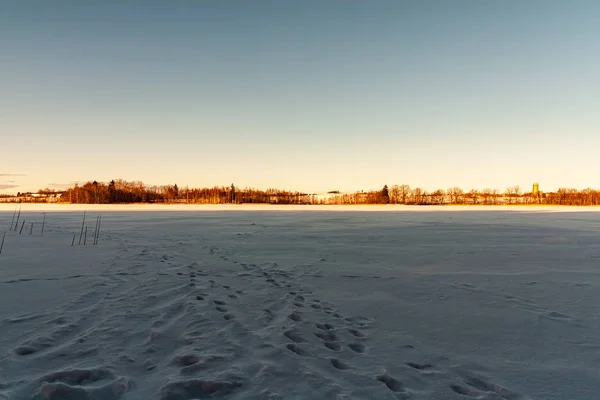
(395, 194)
(456, 195)
(417, 196)
(438, 196)
(516, 193)
(473, 196)
(405, 193)
(486, 194)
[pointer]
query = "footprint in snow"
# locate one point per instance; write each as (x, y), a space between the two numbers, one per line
(338, 364)
(357, 347)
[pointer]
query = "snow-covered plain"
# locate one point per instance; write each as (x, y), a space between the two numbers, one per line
(277, 303)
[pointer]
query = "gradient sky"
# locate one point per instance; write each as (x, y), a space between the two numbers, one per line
(307, 95)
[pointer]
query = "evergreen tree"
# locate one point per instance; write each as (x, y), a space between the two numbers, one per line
(112, 192)
(385, 195)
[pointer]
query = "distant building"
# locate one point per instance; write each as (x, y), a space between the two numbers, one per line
(536, 193)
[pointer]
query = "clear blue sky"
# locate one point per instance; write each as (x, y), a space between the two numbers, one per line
(308, 95)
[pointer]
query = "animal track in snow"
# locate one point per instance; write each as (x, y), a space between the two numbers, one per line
(333, 346)
(326, 336)
(25, 350)
(325, 327)
(186, 360)
(294, 336)
(339, 364)
(463, 391)
(420, 367)
(295, 316)
(357, 333)
(357, 347)
(393, 384)
(298, 350)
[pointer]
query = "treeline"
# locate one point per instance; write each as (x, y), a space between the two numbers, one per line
(120, 191)
(403, 194)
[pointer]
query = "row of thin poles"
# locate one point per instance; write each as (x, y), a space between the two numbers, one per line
(14, 226)
(16, 218)
(84, 230)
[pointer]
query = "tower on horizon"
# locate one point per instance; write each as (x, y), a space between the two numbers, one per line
(536, 189)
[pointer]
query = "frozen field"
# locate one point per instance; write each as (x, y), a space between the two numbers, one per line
(276, 303)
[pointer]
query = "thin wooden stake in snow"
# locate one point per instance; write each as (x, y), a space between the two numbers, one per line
(85, 236)
(43, 224)
(22, 225)
(99, 223)
(18, 216)
(2, 244)
(31, 229)
(81, 234)
(73, 242)
(96, 229)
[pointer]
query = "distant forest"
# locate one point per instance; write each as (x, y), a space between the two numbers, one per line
(120, 191)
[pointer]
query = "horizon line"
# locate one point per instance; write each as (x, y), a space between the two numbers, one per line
(74, 184)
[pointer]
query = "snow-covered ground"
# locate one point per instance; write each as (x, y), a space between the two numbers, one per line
(271, 303)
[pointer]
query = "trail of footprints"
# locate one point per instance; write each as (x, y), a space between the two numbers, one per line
(190, 364)
(330, 336)
(338, 335)
(352, 328)
(220, 305)
(326, 332)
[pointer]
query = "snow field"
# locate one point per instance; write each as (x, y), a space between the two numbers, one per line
(256, 303)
